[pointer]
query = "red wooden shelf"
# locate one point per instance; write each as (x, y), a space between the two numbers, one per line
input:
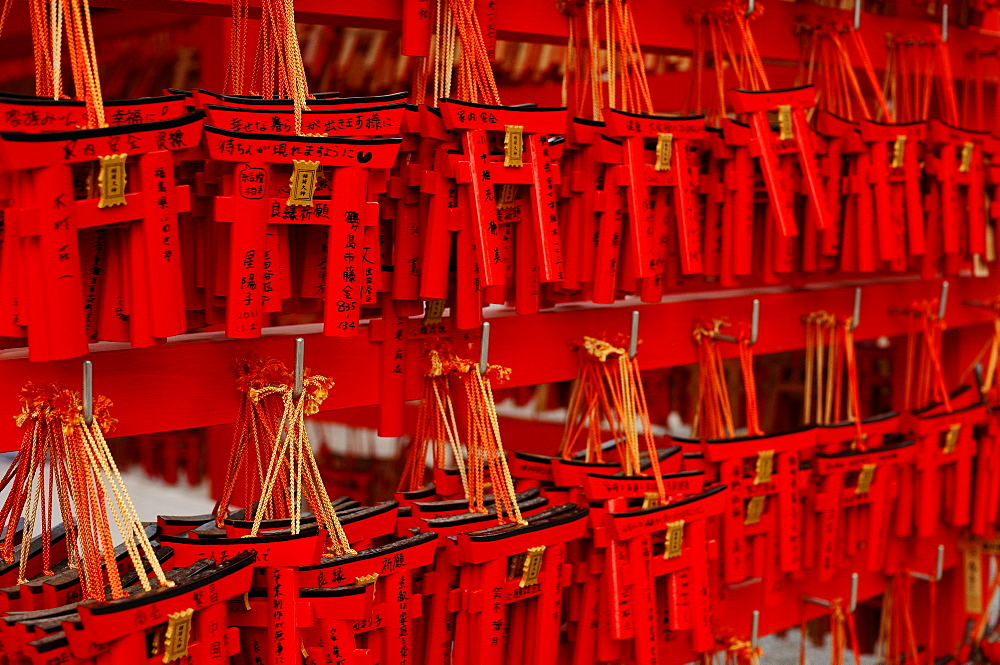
(188, 382)
(662, 26)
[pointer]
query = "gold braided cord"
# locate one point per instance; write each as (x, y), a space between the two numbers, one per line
(87, 484)
(437, 426)
(293, 460)
(608, 392)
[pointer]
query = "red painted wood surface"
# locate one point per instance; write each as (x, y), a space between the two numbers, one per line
(662, 26)
(188, 382)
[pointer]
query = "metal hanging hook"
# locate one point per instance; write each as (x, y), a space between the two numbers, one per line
(856, 316)
(938, 568)
(633, 340)
(484, 348)
(754, 327)
(942, 304)
(857, 15)
(300, 362)
(854, 596)
(751, 6)
(88, 392)
(993, 306)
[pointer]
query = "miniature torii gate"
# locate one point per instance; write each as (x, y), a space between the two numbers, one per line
(46, 224)
(251, 205)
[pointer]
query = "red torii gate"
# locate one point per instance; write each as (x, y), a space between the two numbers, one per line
(45, 226)
(252, 204)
